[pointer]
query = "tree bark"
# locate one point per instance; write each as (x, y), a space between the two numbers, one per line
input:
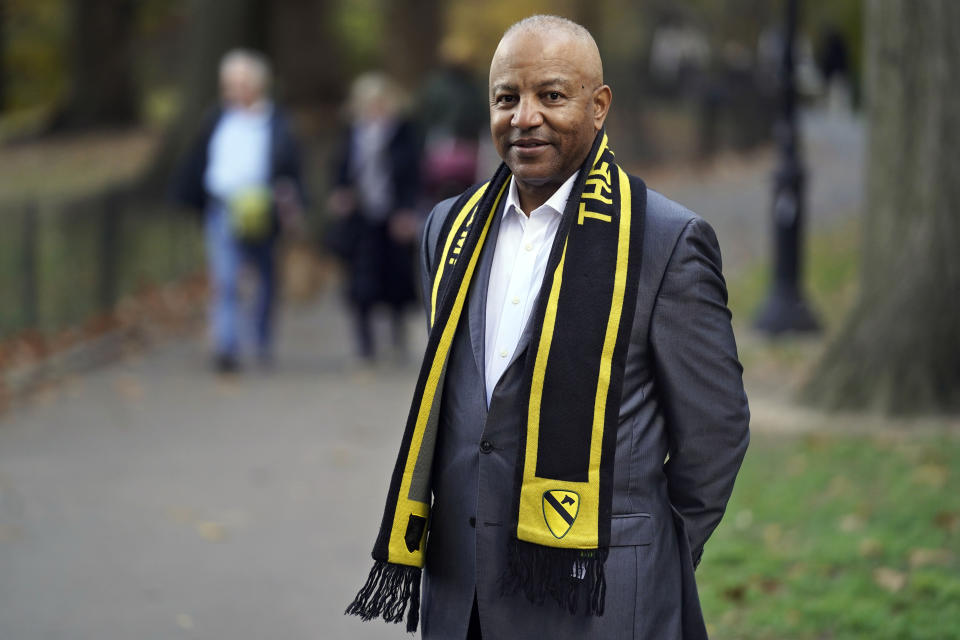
(412, 33)
(589, 14)
(103, 89)
(3, 55)
(899, 350)
(306, 53)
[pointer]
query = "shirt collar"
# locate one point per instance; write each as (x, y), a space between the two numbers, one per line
(556, 203)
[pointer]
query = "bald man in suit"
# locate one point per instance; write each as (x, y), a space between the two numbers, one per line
(683, 416)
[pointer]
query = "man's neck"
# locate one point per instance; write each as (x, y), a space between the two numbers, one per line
(532, 197)
(556, 201)
(255, 107)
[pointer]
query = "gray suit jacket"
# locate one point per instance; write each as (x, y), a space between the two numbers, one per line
(682, 436)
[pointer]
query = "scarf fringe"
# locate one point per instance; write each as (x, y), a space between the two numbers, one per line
(389, 588)
(568, 576)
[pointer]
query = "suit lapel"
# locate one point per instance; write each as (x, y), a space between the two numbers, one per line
(477, 304)
(524, 340)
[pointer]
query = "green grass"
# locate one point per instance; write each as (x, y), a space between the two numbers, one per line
(832, 535)
(839, 537)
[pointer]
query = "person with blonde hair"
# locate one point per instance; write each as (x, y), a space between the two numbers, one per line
(377, 183)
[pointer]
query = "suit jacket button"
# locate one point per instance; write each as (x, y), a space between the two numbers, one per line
(486, 446)
(473, 521)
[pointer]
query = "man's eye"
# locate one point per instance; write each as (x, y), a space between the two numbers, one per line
(553, 96)
(504, 99)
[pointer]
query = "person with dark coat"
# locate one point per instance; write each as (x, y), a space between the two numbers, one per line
(377, 177)
(452, 114)
(243, 175)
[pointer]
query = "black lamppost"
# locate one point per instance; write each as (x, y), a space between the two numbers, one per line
(785, 308)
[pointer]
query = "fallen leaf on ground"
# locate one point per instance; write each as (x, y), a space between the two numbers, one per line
(129, 388)
(930, 557)
(10, 533)
(735, 593)
(228, 384)
(870, 547)
(931, 475)
(850, 523)
(889, 579)
(797, 464)
(770, 585)
(819, 441)
(772, 534)
(839, 485)
(211, 531)
(340, 456)
(743, 519)
(180, 515)
(797, 570)
(948, 521)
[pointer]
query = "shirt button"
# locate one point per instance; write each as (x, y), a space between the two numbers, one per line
(503, 354)
(529, 247)
(486, 446)
(515, 300)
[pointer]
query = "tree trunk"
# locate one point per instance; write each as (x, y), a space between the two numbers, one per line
(103, 89)
(412, 32)
(3, 55)
(589, 14)
(899, 351)
(306, 52)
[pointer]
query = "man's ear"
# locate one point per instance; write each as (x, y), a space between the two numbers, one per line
(602, 97)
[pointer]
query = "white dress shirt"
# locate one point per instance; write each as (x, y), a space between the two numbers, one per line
(238, 155)
(519, 263)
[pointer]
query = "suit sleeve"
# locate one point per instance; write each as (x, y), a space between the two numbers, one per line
(426, 264)
(700, 382)
(429, 239)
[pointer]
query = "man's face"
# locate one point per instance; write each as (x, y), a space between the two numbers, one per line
(544, 107)
(239, 86)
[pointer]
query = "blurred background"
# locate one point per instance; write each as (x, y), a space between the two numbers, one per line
(197, 429)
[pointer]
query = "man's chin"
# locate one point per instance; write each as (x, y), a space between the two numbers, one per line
(533, 176)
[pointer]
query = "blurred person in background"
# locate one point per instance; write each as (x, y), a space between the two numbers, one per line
(375, 224)
(243, 174)
(833, 60)
(453, 116)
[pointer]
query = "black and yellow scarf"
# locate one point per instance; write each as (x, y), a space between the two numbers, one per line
(573, 380)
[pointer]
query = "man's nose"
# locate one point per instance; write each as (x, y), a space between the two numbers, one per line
(527, 115)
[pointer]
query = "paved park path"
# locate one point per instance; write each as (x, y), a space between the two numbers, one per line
(150, 499)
